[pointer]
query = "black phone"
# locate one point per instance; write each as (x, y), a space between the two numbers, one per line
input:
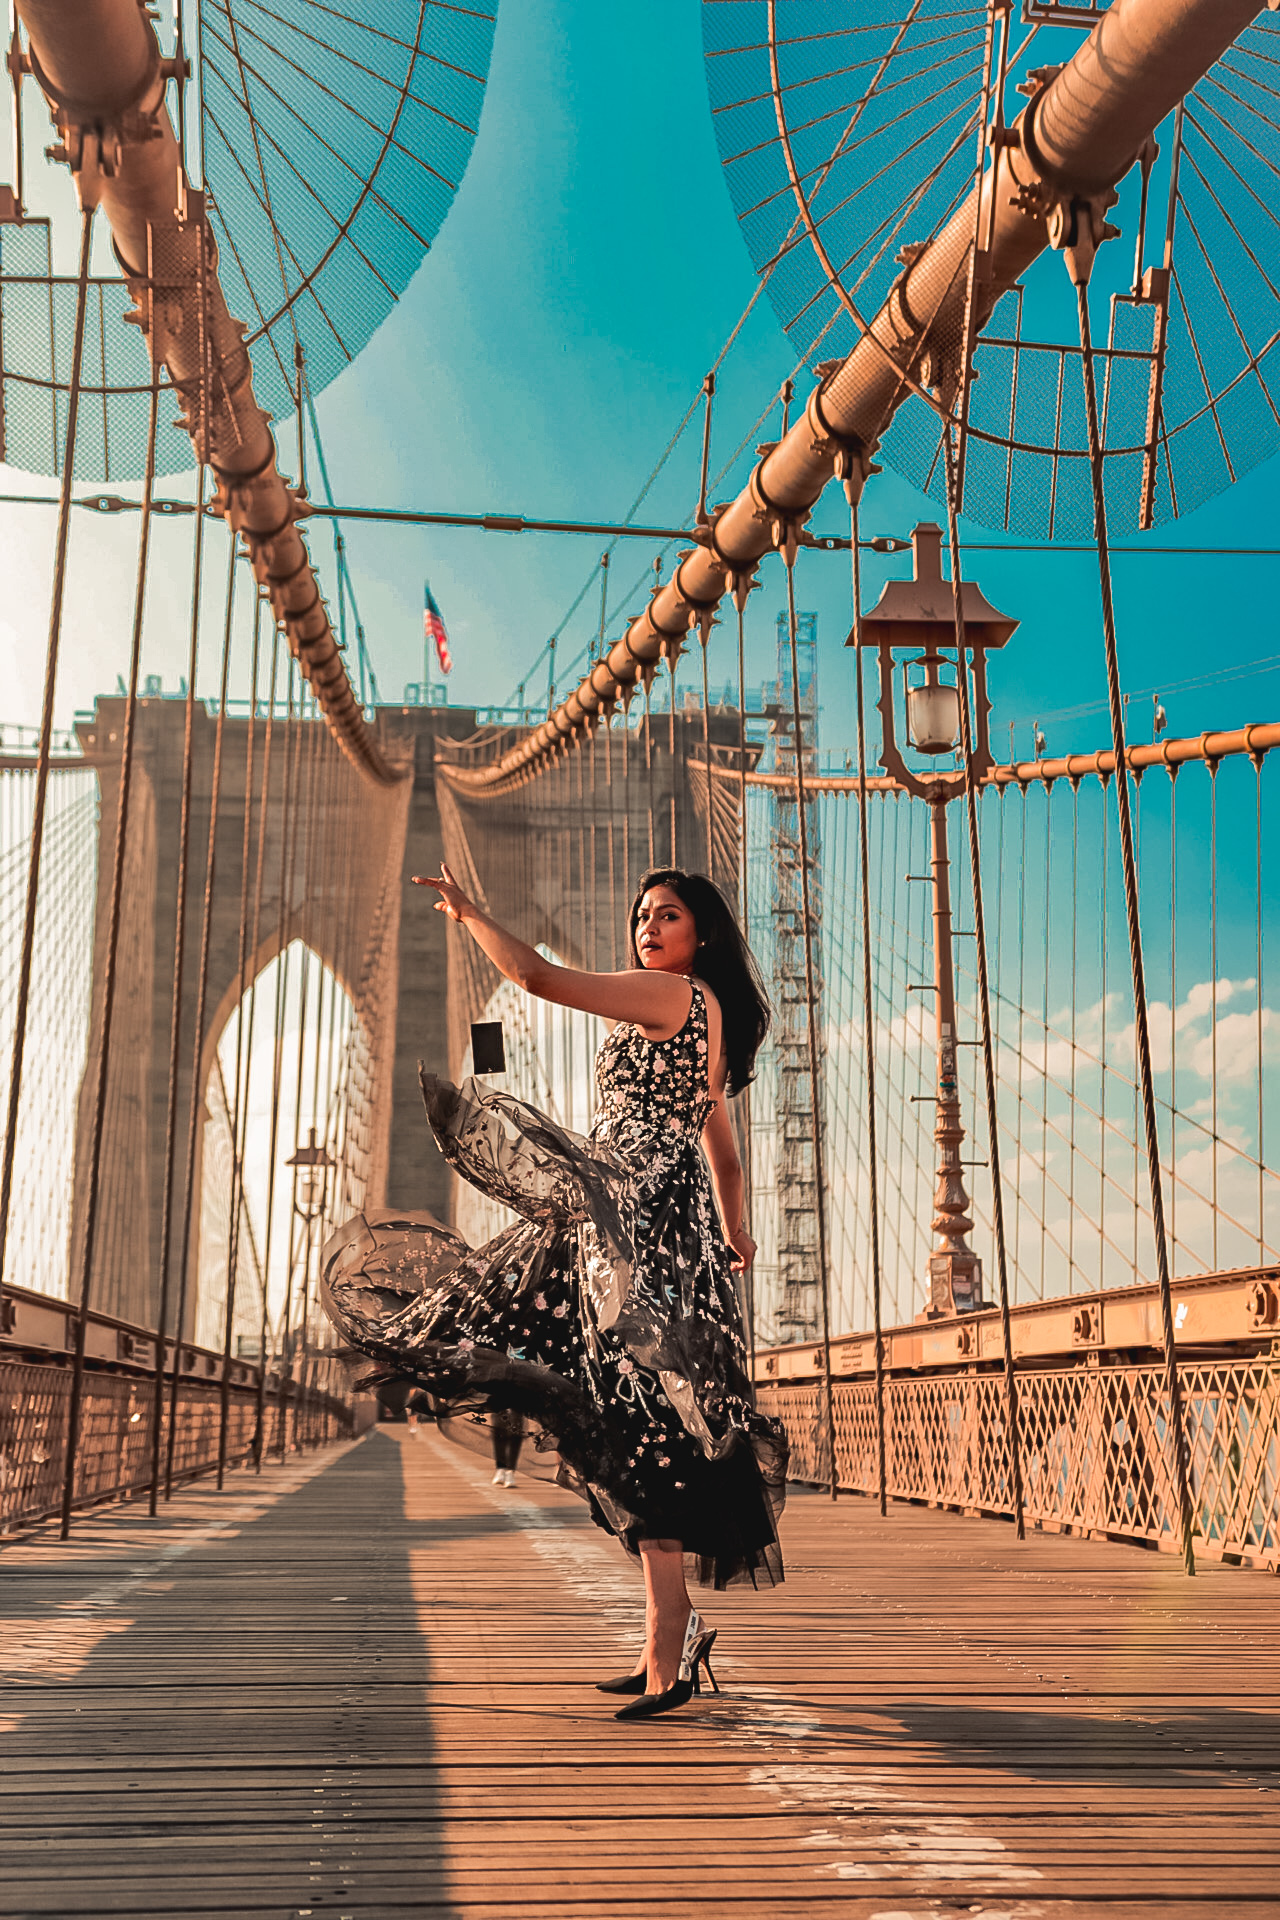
(487, 1052)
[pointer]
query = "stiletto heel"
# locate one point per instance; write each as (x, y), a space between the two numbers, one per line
(702, 1657)
(636, 1682)
(686, 1683)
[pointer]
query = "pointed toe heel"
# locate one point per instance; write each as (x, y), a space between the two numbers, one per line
(624, 1683)
(651, 1704)
(698, 1642)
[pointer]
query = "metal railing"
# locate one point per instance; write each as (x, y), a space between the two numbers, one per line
(1096, 1443)
(114, 1450)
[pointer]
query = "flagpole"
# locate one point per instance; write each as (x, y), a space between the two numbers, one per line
(426, 650)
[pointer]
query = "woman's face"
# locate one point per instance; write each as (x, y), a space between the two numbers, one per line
(666, 933)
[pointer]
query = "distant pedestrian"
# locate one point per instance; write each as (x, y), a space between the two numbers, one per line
(508, 1432)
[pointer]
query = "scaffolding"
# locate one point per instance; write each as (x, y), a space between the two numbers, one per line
(799, 1264)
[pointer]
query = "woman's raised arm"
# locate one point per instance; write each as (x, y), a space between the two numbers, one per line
(657, 1002)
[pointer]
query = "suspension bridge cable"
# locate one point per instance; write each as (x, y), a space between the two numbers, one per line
(281, 984)
(280, 1333)
(741, 589)
(175, 1022)
(868, 1017)
(1173, 1385)
(984, 985)
(45, 748)
(307, 814)
(198, 1035)
(304, 742)
(250, 1021)
(236, 1208)
(102, 1063)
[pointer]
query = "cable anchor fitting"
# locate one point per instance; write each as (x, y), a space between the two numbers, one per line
(1077, 228)
(849, 454)
(739, 575)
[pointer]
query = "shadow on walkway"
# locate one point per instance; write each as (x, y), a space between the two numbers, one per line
(243, 1729)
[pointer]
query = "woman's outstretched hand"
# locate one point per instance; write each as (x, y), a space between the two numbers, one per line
(453, 900)
(743, 1250)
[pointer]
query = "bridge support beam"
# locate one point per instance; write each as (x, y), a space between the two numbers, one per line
(100, 67)
(1075, 140)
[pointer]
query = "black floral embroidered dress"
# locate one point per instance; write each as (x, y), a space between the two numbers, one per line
(607, 1315)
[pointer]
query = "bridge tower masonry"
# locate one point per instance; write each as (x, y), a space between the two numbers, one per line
(391, 961)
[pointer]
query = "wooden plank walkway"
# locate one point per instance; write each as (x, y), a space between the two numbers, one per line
(361, 1686)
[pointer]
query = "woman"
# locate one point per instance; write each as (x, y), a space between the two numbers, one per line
(608, 1315)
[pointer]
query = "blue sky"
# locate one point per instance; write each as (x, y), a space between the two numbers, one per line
(588, 273)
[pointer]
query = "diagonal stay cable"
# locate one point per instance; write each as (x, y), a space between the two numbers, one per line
(101, 1065)
(45, 749)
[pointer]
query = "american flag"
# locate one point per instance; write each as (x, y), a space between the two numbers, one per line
(433, 628)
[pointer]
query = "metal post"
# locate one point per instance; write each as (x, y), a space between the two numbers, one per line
(955, 1272)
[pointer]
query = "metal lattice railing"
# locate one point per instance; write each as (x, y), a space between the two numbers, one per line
(113, 1457)
(1096, 1449)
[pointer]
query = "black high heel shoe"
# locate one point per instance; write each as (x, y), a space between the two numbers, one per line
(624, 1683)
(697, 1647)
(700, 1655)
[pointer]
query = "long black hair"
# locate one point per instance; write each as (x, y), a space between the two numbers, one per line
(724, 961)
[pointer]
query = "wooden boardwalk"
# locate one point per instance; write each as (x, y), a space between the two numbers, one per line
(360, 1686)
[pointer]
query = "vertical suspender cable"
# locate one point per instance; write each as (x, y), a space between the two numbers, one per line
(277, 1030)
(102, 1064)
(954, 485)
(627, 696)
(811, 1009)
(868, 1015)
(175, 1022)
(1173, 1385)
(46, 744)
(613, 878)
(984, 988)
(744, 914)
(705, 635)
(288, 849)
(250, 928)
(704, 626)
(202, 985)
(673, 655)
(647, 678)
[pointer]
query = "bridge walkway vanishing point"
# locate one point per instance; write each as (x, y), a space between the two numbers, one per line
(360, 1685)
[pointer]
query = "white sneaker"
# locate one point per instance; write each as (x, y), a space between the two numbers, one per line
(499, 1479)
(509, 1478)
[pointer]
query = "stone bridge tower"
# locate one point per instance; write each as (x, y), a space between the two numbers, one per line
(335, 874)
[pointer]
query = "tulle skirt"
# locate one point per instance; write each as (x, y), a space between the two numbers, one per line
(606, 1319)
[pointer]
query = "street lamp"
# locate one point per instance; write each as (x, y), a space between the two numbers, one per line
(311, 1167)
(312, 1164)
(917, 617)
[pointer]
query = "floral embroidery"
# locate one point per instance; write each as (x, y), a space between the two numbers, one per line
(620, 1255)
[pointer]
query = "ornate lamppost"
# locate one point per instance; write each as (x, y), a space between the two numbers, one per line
(311, 1165)
(917, 618)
